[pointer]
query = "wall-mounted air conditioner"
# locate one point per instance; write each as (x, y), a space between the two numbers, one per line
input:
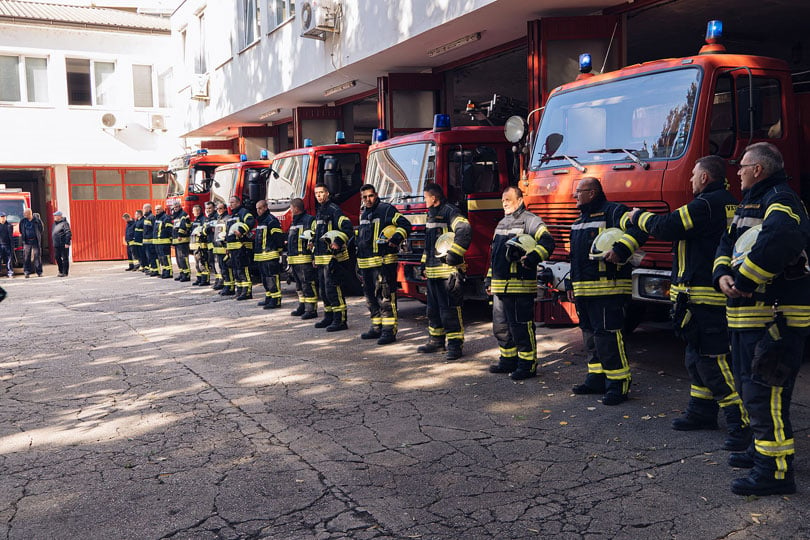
(157, 122)
(199, 86)
(318, 19)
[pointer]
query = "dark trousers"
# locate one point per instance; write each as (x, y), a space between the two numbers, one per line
(7, 259)
(443, 312)
(201, 262)
(768, 406)
(164, 255)
(380, 290)
(224, 270)
(32, 261)
(306, 285)
(62, 256)
(269, 271)
(239, 262)
(181, 252)
(331, 293)
(132, 257)
(212, 263)
(513, 327)
(140, 250)
(150, 253)
(601, 319)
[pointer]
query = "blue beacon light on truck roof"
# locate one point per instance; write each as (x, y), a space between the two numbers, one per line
(441, 122)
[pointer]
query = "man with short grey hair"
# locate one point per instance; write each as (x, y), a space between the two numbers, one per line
(31, 233)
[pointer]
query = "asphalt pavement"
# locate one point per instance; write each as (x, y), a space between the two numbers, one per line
(134, 407)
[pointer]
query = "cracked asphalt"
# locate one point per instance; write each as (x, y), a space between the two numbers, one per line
(133, 407)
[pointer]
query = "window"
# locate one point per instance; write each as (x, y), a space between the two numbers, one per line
(289, 181)
(401, 172)
(766, 97)
(164, 89)
(342, 173)
(89, 82)
(23, 79)
(471, 171)
(200, 59)
(279, 11)
(250, 22)
(142, 85)
(136, 184)
(106, 185)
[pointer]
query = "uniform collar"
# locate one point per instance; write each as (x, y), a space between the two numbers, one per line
(779, 177)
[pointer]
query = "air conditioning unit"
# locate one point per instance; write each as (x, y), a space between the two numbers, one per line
(199, 86)
(157, 122)
(318, 19)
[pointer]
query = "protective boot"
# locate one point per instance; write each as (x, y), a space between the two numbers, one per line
(264, 301)
(218, 285)
(325, 322)
(246, 294)
(197, 282)
(273, 303)
(227, 291)
(526, 369)
(739, 436)
(297, 312)
(763, 483)
(454, 351)
(237, 291)
(204, 281)
(372, 333)
(433, 345)
(504, 365)
(386, 337)
(699, 414)
(184, 278)
(310, 312)
(179, 277)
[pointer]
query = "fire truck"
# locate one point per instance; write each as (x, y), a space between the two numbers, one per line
(295, 172)
(640, 130)
(190, 177)
(472, 164)
(244, 179)
(13, 201)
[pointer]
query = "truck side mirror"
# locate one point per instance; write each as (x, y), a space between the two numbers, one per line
(553, 143)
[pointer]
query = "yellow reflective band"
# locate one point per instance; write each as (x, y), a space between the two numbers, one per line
(681, 257)
(369, 262)
(624, 221)
(755, 273)
(775, 449)
(686, 218)
(543, 252)
(299, 259)
(698, 295)
(540, 232)
(458, 219)
(643, 219)
(700, 392)
(723, 260)
(595, 368)
(776, 207)
(630, 242)
(484, 204)
(436, 332)
(731, 399)
(390, 258)
(508, 353)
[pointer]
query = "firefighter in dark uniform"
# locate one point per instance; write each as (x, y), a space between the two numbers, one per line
(699, 311)
(163, 241)
(299, 257)
(331, 259)
(198, 245)
(218, 234)
(181, 237)
(601, 288)
(138, 242)
(377, 259)
(445, 273)
(268, 242)
(512, 282)
(129, 240)
(148, 238)
(761, 267)
(240, 247)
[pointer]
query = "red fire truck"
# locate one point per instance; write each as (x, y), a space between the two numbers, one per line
(190, 177)
(640, 130)
(472, 164)
(244, 179)
(13, 201)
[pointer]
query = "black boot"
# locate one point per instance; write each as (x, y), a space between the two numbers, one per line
(309, 314)
(739, 436)
(197, 282)
(454, 351)
(326, 321)
(338, 324)
(264, 301)
(179, 277)
(762, 483)
(246, 294)
(204, 281)
(297, 312)
(386, 337)
(525, 370)
(273, 303)
(227, 291)
(504, 365)
(184, 278)
(218, 285)
(434, 344)
(699, 414)
(372, 333)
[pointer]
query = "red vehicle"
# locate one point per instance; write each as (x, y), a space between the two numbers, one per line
(640, 130)
(13, 201)
(295, 173)
(190, 177)
(472, 164)
(245, 179)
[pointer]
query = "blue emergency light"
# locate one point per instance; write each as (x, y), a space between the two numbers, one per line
(340, 137)
(242, 157)
(378, 135)
(585, 63)
(264, 154)
(441, 122)
(202, 152)
(714, 31)
(307, 143)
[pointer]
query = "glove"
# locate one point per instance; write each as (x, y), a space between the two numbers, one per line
(532, 259)
(454, 260)
(455, 286)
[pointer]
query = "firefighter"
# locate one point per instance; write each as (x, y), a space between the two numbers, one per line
(602, 287)
(381, 231)
(767, 286)
(181, 233)
(699, 312)
(129, 241)
(444, 268)
(331, 259)
(239, 228)
(138, 242)
(208, 229)
(299, 257)
(218, 233)
(148, 241)
(520, 242)
(198, 245)
(163, 242)
(267, 245)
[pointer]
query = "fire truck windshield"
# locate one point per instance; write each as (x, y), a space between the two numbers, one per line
(645, 117)
(288, 179)
(401, 172)
(178, 180)
(13, 209)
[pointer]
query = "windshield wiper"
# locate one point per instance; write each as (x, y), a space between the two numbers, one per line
(571, 159)
(641, 163)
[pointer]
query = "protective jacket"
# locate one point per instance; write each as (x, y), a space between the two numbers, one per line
(137, 232)
(268, 239)
(243, 221)
(218, 232)
(129, 232)
(329, 217)
(598, 277)
(163, 229)
(297, 250)
(370, 252)
(774, 269)
(512, 277)
(7, 234)
(199, 236)
(441, 219)
(148, 228)
(695, 230)
(181, 227)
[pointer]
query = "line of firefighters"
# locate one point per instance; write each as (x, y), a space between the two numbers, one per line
(740, 286)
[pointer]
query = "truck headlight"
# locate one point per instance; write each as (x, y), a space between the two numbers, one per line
(653, 287)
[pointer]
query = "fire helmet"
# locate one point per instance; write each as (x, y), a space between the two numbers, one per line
(443, 244)
(387, 234)
(518, 246)
(743, 245)
(604, 242)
